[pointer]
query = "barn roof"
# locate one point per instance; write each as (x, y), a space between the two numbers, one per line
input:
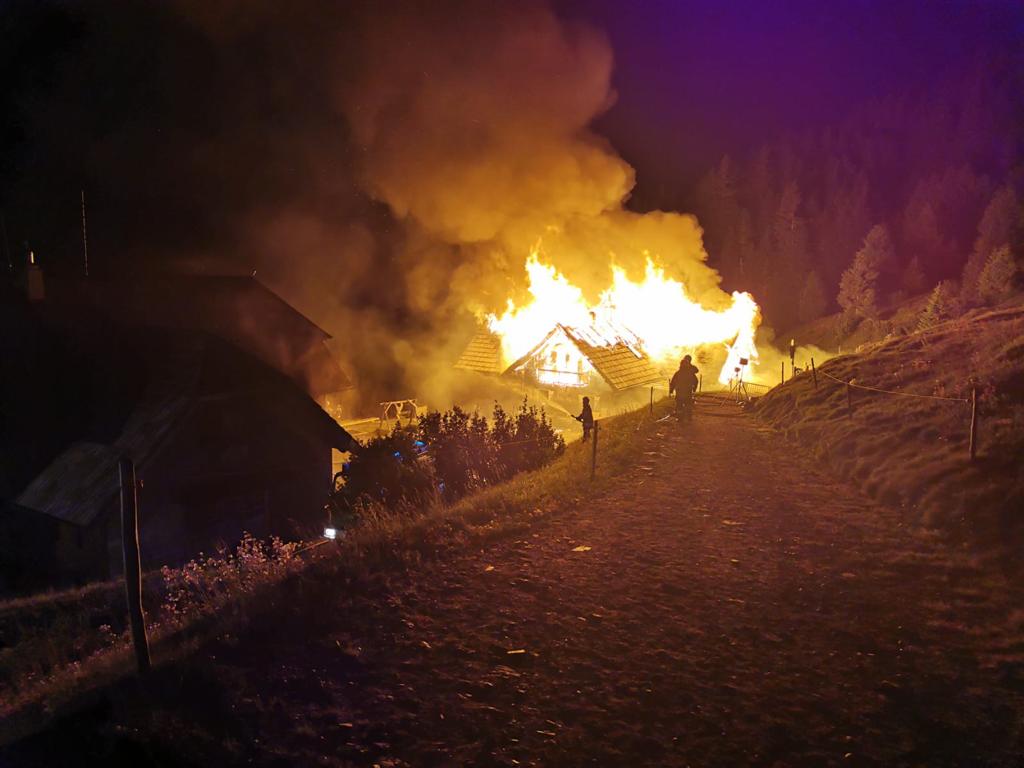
(482, 354)
(238, 309)
(620, 362)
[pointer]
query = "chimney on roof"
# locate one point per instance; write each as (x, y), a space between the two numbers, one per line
(34, 287)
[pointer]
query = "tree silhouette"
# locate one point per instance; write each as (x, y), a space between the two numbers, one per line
(859, 284)
(942, 305)
(1000, 225)
(913, 279)
(997, 279)
(812, 299)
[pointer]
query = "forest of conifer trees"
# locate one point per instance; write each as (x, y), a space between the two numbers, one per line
(909, 191)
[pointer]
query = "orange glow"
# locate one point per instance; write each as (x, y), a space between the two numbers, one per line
(665, 320)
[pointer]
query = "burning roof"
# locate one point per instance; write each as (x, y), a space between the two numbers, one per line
(482, 354)
(569, 356)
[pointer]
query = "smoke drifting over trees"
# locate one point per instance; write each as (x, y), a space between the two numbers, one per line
(388, 168)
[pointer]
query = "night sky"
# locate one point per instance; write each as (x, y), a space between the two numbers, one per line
(698, 80)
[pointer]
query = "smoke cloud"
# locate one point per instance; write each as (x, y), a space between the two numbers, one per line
(462, 140)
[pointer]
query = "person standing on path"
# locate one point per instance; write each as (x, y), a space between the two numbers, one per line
(684, 384)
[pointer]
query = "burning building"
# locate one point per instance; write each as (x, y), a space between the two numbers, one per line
(628, 338)
(592, 358)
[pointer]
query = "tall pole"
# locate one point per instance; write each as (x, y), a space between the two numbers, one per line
(814, 373)
(782, 372)
(85, 239)
(133, 562)
(973, 447)
(7, 247)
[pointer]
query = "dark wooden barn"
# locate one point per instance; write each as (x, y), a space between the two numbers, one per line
(224, 442)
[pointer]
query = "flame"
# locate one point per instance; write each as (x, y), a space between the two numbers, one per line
(657, 313)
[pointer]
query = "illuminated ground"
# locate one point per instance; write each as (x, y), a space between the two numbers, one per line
(733, 605)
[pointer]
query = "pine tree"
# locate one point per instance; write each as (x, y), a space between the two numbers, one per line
(877, 248)
(913, 277)
(857, 288)
(859, 284)
(942, 305)
(996, 281)
(812, 299)
(1000, 225)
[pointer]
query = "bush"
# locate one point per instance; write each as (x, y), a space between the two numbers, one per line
(447, 455)
(387, 470)
(203, 585)
(527, 440)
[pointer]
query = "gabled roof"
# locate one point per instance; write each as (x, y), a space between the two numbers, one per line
(238, 309)
(619, 362)
(482, 354)
(622, 365)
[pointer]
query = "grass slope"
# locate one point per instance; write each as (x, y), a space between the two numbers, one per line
(913, 451)
(56, 647)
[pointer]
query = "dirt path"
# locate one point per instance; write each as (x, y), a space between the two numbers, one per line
(729, 604)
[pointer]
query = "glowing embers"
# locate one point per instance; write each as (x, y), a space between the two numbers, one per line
(663, 323)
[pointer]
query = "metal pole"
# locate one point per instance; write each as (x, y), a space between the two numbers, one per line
(973, 447)
(814, 374)
(849, 401)
(85, 240)
(593, 453)
(133, 562)
(7, 247)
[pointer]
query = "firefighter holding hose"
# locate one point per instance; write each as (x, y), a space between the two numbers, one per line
(683, 384)
(586, 418)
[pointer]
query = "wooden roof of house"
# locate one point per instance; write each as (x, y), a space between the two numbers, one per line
(622, 363)
(482, 354)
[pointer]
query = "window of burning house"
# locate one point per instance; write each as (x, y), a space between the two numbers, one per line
(559, 363)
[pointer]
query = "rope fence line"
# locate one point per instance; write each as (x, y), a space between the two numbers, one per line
(972, 443)
(893, 392)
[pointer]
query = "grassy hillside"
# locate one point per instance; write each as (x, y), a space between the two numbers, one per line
(913, 451)
(56, 646)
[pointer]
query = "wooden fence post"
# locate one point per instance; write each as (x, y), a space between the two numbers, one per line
(652, 401)
(849, 401)
(133, 562)
(593, 452)
(814, 373)
(973, 447)
(700, 382)
(782, 372)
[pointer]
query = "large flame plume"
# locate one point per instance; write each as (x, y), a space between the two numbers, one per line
(657, 309)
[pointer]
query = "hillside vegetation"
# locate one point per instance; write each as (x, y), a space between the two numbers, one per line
(913, 451)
